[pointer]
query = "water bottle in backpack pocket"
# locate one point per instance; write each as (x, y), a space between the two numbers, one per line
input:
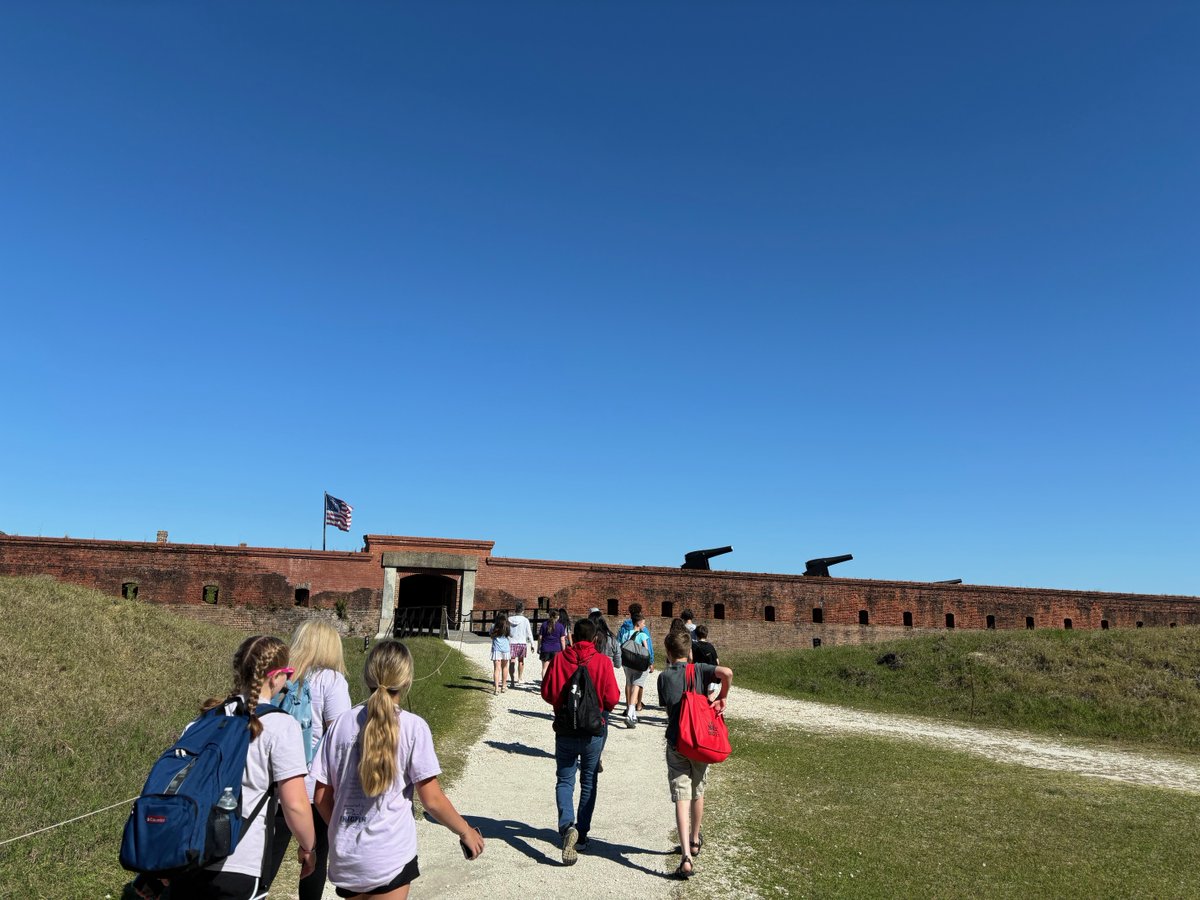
(189, 813)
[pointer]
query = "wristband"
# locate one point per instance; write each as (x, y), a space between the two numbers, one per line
(303, 849)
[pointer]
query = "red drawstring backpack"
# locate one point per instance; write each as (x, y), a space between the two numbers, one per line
(703, 736)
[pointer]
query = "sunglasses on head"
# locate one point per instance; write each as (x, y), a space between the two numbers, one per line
(286, 670)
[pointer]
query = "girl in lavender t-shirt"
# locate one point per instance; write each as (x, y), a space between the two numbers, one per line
(316, 654)
(368, 766)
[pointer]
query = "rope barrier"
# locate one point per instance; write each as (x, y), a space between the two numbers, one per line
(67, 822)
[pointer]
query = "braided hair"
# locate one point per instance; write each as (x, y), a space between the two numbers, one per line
(253, 660)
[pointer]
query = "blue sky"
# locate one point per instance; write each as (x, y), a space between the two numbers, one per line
(611, 282)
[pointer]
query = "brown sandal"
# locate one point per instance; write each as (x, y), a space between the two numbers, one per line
(684, 874)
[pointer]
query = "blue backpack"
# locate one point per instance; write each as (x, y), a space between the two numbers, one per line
(189, 814)
(296, 701)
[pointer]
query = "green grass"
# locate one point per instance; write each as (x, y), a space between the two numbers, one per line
(1132, 686)
(802, 815)
(97, 688)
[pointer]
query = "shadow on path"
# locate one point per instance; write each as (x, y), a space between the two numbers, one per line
(521, 749)
(525, 838)
(549, 717)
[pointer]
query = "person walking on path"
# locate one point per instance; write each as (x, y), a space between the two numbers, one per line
(520, 640)
(579, 752)
(550, 640)
(369, 765)
(702, 650)
(686, 777)
(275, 761)
(635, 681)
(316, 654)
(501, 649)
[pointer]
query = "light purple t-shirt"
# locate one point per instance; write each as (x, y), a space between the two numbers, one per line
(372, 838)
(330, 698)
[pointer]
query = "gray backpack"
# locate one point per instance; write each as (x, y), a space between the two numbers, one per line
(635, 655)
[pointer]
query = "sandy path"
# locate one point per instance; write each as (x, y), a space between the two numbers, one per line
(997, 744)
(507, 790)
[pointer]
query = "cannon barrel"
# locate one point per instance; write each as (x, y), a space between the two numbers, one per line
(820, 567)
(950, 581)
(698, 559)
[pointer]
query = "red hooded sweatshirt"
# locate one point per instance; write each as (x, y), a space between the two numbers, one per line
(563, 666)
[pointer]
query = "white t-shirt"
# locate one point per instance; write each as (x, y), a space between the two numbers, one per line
(372, 838)
(275, 755)
(330, 698)
(519, 630)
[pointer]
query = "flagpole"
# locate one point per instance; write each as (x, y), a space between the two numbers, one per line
(324, 524)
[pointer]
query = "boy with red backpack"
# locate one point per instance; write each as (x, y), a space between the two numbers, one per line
(685, 776)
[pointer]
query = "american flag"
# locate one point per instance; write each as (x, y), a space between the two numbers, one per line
(337, 512)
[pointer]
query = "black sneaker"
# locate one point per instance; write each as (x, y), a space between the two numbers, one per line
(582, 843)
(570, 840)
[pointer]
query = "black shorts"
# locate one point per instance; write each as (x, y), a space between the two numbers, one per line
(406, 876)
(546, 657)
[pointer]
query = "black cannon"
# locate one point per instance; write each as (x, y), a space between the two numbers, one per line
(950, 581)
(820, 567)
(698, 559)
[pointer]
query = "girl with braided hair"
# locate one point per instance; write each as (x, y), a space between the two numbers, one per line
(275, 757)
(368, 766)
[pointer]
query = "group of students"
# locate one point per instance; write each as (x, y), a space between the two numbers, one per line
(579, 753)
(351, 810)
(512, 641)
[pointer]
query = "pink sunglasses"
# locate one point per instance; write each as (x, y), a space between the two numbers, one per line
(286, 670)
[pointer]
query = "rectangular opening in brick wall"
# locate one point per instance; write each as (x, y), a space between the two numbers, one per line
(1067, 624)
(818, 615)
(991, 622)
(1104, 624)
(301, 597)
(613, 607)
(211, 593)
(949, 620)
(1029, 622)
(668, 609)
(129, 590)
(816, 642)
(769, 614)
(1174, 624)
(907, 619)
(543, 602)
(864, 618)
(1137, 624)
(718, 610)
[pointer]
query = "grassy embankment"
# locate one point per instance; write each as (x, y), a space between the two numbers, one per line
(97, 688)
(1133, 686)
(842, 816)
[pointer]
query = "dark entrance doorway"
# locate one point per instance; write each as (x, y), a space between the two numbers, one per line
(424, 604)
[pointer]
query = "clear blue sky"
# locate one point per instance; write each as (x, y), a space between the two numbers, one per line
(610, 282)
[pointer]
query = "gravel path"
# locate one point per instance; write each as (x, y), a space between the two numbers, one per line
(507, 790)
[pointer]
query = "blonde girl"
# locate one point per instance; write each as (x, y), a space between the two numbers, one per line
(501, 650)
(368, 766)
(316, 655)
(275, 757)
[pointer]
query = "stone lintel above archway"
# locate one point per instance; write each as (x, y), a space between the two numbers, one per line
(394, 561)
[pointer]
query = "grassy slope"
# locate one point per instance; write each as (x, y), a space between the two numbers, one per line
(98, 687)
(1135, 686)
(838, 816)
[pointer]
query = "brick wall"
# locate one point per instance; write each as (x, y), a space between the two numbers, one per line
(257, 590)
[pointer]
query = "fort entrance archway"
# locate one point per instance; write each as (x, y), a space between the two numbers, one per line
(442, 585)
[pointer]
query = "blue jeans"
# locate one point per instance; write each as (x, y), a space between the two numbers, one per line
(582, 753)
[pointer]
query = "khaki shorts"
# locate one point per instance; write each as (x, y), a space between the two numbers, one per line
(685, 776)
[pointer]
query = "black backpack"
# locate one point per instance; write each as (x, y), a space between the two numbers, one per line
(578, 713)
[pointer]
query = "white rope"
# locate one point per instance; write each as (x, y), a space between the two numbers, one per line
(68, 821)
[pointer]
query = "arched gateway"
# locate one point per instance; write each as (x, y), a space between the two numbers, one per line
(426, 591)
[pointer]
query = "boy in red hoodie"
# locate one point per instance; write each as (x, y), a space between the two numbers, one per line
(582, 752)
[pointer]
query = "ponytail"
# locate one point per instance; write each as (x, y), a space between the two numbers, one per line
(388, 673)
